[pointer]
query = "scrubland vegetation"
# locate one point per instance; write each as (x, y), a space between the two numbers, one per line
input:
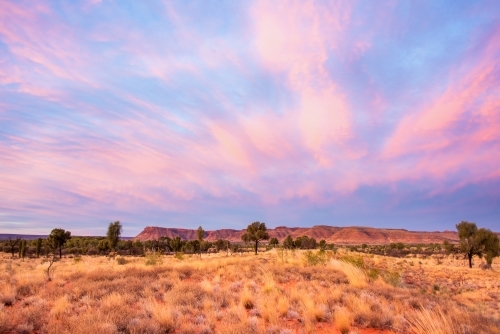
(278, 291)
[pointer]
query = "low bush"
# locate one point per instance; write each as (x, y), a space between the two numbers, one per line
(315, 258)
(154, 258)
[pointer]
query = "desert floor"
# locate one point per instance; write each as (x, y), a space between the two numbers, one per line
(272, 292)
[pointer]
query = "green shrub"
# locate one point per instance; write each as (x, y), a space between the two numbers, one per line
(373, 273)
(179, 256)
(121, 260)
(154, 258)
(315, 258)
(77, 259)
(354, 259)
(392, 277)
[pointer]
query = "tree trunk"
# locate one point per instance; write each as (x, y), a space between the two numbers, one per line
(256, 245)
(470, 259)
(60, 252)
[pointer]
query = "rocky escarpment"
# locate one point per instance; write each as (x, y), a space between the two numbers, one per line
(332, 234)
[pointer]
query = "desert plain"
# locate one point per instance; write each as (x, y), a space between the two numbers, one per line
(277, 291)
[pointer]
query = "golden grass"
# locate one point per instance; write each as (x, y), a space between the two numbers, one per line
(242, 294)
(8, 294)
(426, 321)
(62, 306)
(163, 315)
(356, 276)
(343, 320)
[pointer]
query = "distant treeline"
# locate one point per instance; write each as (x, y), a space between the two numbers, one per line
(100, 246)
(474, 241)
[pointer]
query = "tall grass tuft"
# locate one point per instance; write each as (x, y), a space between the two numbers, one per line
(356, 276)
(163, 315)
(426, 321)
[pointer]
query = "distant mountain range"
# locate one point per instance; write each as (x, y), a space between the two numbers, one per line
(6, 236)
(332, 234)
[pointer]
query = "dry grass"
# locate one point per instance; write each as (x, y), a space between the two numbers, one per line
(425, 321)
(343, 320)
(268, 293)
(8, 294)
(356, 276)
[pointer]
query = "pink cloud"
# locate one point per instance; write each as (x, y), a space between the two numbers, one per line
(294, 38)
(456, 131)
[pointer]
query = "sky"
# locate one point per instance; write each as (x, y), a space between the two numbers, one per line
(221, 113)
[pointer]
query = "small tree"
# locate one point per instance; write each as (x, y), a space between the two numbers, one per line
(38, 246)
(50, 248)
(322, 244)
(288, 242)
(474, 241)
(19, 251)
(200, 233)
(256, 232)
(114, 232)
(22, 249)
(468, 242)
(489, 245)
(57, 239)
(176, 244)
(12, 244)
(273, 242)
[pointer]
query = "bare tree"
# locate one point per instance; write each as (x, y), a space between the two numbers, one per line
(12, 244)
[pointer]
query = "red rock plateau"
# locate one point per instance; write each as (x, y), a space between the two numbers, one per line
(337, 235)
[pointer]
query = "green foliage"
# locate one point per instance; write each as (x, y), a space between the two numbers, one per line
(11, 243)
(121, 261)
(222, 244)
(39, 242)
(113, 235)
(273, 242)
(288, 242)
(103, 245)
(77, 259)
(373, 273)
(489, 245)
(305, 242)
(154, 258)
(392, 277)
(355, 260)
(315, 258)
(322, 244)
(449, 247)
(176, 244)
(22, 248)
(191, 246)
(480, 242)
(200, 233)
(138, 244)
(57, 238)
(179, 256)
(256, 232)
